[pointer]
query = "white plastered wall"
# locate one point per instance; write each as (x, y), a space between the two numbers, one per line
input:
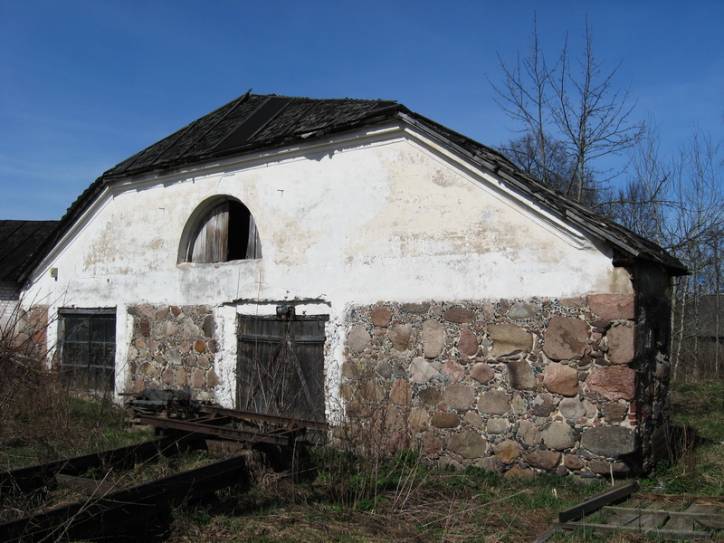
(385, 216)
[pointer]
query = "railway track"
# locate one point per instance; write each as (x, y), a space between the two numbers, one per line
(109, 513)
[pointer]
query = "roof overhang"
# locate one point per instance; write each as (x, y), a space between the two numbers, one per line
(627, 246)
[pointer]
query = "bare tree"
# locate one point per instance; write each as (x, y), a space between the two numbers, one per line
(577, 112)
(644, 203)
(678, 203)
(695, 231)
(593, 116)
(524, 96)
(525, 152)
(573, 118)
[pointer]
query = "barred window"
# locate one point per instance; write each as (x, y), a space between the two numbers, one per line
(88, 348)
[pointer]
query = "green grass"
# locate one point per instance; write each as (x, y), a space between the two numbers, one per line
(87, 427)
(699, 471)
(701, 407)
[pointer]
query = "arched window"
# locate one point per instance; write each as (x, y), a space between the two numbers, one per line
(220, 230)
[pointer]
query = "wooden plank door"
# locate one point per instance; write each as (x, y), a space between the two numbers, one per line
(280, 366)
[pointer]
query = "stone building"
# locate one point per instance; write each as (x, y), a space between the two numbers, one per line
(343, 258)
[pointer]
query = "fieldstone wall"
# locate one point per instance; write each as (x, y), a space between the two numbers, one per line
(517, 385)
(173, 347)
(31, 330)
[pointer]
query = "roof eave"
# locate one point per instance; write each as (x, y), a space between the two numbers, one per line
(499, 165)
(509, 173)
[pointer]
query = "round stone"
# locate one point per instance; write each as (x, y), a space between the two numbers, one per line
(468, 444)
(558, 435)
(442, 419)
(528, 433)
(459, 396)
(494, 402)
(509, 339)
(358, 339)
(507, 451)
(561, 379)
(621, 347)
(433, 338)
(565, 338)
(381, 316)
(482, 372)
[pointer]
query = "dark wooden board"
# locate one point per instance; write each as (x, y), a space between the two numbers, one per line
(34, 477)
(612, 495)
(669, 534)
(119, 511)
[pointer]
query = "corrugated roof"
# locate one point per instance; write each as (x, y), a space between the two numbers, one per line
(252, 122)
(19, 242)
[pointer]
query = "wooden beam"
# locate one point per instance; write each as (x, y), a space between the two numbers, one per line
(594, 503)
(662, 511)
(672, 534)
(125, 510)
(34, 477)
(211, 431)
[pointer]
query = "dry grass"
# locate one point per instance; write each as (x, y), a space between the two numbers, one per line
(473, 505)
(352, 498)
(40, 418)
(401, 499)
(701, 470)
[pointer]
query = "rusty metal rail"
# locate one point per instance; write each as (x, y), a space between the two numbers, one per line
(211, 422)
(259, 417)
(208, 429)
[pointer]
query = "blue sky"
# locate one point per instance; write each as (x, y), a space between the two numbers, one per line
(83, 85)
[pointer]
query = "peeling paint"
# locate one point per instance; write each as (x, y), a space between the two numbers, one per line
(380, 220)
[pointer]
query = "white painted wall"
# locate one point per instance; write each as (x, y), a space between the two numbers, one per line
(378, 217)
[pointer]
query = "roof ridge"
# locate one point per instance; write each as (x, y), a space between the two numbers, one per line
(302, 118)
(335, 99)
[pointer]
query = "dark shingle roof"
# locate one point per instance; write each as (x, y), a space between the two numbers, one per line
(253, 122)
(19, 242)
(249, 122)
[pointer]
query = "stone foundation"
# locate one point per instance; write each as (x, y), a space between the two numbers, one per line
(173, 347)
(518, 385)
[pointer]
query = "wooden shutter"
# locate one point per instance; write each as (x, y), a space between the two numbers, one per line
(212, 241)
(253, 246)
